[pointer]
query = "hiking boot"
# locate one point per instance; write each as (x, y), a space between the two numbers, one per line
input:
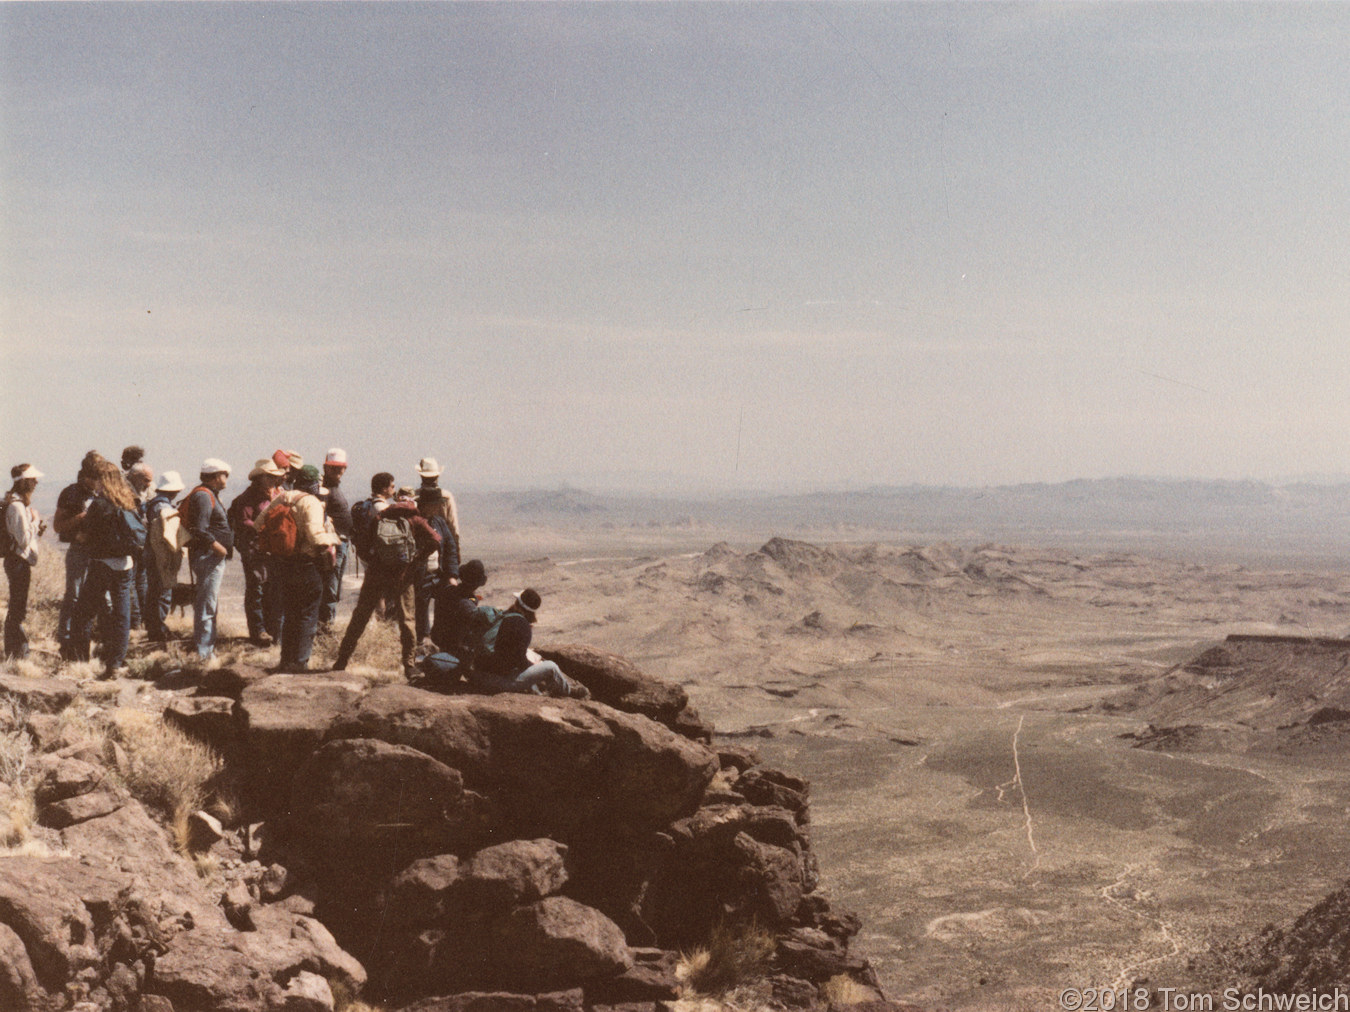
(411, 672)
(579, 691)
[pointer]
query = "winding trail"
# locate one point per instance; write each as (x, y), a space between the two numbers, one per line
(1018, 783)
(1125, 976)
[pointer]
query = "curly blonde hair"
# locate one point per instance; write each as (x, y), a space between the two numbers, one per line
(109, 482)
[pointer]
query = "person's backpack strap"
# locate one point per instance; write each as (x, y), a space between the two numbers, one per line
(190, 498)
(7, 545)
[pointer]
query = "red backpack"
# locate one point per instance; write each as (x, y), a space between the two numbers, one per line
(278, 533)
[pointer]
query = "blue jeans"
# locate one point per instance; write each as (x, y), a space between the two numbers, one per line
(20, 576)
(158, 600)
(140, 585)
(332, 587)
(258, 595)
(209, 569)
(115, 626)
(77, 564)
(542, 679)
(301, 593)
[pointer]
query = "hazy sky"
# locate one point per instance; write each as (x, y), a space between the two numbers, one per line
(732, 245)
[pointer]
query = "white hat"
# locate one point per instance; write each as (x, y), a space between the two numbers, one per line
(214, 465)
(24, 471)
(428, 468)
(170, 481)
(336, 456)
(265, 465)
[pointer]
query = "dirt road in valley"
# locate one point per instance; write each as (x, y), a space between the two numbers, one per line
(970, 797)
(1009, 852)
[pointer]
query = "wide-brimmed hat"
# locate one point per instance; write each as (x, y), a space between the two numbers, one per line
(428, 468)
(170, 481)
(21, 471)
(265, 466)
(336, 457)
(288, 459)
(214, 465)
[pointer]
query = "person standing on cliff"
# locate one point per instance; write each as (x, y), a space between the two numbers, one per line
(397, 539)
(430, 472)
(261, 608)
(72, 505)
(23, 527)
(209, 547)
(301, 571)
(339, 513)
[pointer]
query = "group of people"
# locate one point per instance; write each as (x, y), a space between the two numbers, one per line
(126, 536)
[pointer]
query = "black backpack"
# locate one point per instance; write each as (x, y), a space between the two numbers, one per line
(6, 542)
(363, 526)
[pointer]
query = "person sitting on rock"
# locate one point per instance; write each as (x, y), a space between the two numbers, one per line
(453, 632)
(504, 661)
(456, 608)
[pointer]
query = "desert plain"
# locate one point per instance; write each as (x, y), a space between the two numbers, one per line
(1037, 760)
(1015, 780)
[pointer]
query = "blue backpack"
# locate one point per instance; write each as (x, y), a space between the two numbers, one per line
(115, 532)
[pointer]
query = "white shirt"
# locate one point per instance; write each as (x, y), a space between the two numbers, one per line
(21, 521)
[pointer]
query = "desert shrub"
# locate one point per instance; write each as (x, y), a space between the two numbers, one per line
(16, 752)
(844, 990)
(734, 954)
(345, 1001)
(165, 769)
(16, 747)
(153, 666)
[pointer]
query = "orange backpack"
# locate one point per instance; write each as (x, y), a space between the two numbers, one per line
(279, 534)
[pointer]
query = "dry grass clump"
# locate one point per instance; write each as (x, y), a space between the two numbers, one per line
(153, 666)
(345, 1001)
(165, 769)
(735, 954)
(27, 668)
(16, 747)
(16, 753)
(844, 990)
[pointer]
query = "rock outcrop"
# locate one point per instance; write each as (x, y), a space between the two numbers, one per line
(440, 852)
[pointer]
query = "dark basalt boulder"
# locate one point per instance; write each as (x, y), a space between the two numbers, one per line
(358, 800)
(617, 682)
(552, 767)
(557, 943)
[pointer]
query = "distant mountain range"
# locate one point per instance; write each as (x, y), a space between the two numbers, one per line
(1188, 517)
(1147, 514)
